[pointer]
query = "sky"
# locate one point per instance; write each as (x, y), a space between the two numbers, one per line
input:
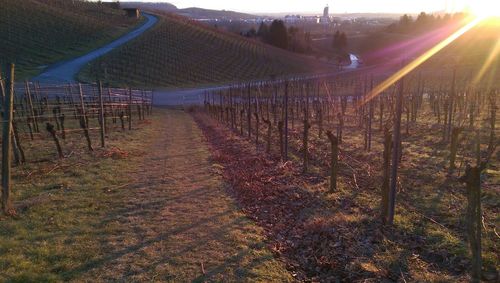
(316, 6)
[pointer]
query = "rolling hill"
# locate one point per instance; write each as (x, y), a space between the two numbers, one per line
(35, 33)
(182, 52)
(193, 12)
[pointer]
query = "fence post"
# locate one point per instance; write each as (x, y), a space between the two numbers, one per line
(30, 105)
(395, 153)
(151, 104)
(285, 158)
(130, 109)
(334, 142)
(6, 141)
(249, 113)
(101, 116)
(472, 179)
(83, 119)
(2, 88)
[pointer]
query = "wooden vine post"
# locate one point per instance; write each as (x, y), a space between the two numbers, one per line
(130, 109)
(53, 133)
(30, 105)
(493, 115)
(395, 153)
(101, 116)
(472, 180)
(334, 142)
(83, 119)
(285, 157)
(451, 106)
(18, 150)
(8, 107)
(280, 133)
(370, 119)
(268, 138)
(249, 112)
(455, 135)
(256, 114)
(2, 87)
(305, 141)
(386, 174)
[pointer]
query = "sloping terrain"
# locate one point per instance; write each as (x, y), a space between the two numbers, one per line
(192, 12)
(181, 52)
(35, 33)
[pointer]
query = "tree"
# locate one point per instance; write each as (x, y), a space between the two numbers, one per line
(343, 40)
(335, 42)
(308, 42)
(251, 33)
(263, 31)
(293, 40)
(405, 20)
(278, 34)
(339, 40)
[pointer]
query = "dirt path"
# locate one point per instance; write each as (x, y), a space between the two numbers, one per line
(179, 224)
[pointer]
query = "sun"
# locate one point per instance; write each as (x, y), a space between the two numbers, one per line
(484, 8)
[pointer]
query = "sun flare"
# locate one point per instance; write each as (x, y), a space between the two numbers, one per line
(484, 8)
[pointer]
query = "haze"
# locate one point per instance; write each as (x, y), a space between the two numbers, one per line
(315, 6)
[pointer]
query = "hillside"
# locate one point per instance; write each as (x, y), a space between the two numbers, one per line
(151, 6)
(200, 13)
(193, 12)
(181, 52)
(35, 33)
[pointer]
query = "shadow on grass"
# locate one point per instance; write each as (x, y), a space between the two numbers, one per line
(117, 254)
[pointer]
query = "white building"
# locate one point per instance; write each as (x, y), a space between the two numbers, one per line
(325, 19)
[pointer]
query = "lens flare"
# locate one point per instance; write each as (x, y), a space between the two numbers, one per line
(418, 61)
(495, 52)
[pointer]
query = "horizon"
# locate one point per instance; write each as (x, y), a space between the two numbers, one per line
(316, 6)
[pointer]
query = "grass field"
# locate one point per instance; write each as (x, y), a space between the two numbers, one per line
(181, 52)
(36, 33)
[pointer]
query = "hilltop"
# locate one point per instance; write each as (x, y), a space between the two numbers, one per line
(192, 12)
(35, 33)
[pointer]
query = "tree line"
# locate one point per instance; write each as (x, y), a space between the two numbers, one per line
(423, 22)
(292, 38)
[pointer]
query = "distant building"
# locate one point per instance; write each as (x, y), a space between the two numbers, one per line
(133, 12)
(325, 19)
(311, 19)
(293, 19)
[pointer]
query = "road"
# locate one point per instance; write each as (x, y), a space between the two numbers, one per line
(173, 97)
(66, 71)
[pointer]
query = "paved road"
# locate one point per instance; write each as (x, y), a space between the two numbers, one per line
(174, 97)
(66, 71)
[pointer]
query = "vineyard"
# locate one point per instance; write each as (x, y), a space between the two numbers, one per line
(288, 168)
(36, 33)
(319, 163)
(181, 52)
(43, 122)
